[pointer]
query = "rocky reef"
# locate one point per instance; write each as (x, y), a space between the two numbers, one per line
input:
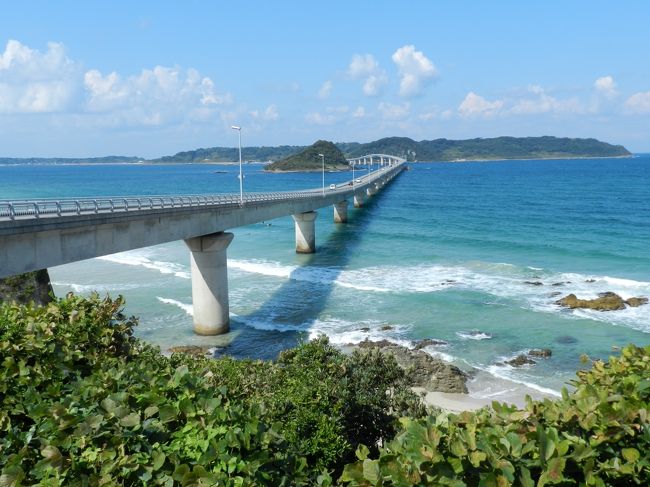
(31, 287)
(607, 301)
(422, 369)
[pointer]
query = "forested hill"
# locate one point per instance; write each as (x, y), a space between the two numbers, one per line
(491, 149)
(71, 160)
(425, 150)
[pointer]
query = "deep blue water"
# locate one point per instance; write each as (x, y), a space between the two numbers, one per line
(446, 249)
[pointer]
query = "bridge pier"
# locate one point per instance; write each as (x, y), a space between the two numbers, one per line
(341, 212)
(371, 190)
(305, 232)
(210, 282)
(358, 200)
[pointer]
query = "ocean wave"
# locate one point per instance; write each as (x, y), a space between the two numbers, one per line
(188, 308)
(474, 335)
(514, 375)
(141, 259)
(99, 288)
(535, 289)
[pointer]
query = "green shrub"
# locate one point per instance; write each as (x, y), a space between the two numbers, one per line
(324, 402)
(599, 435)
(83, 402)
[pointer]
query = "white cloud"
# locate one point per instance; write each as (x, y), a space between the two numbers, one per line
(153, 97)
(638, 103)
(394, 112)
(271, 113)
(37, 82)
(360, 112)
(476, 106)
(364, 66)
(542, 102)
(325, 90)
(316, 118)
(415, 70)
(606, 86)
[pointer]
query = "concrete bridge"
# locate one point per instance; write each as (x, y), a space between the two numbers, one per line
(380, 159)
(40, 234)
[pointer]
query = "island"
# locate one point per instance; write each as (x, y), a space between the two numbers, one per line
(309, 159)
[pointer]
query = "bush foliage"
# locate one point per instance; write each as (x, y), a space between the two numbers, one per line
(598, 435)
(83, 402)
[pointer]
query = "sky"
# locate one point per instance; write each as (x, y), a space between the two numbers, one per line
(82, 79)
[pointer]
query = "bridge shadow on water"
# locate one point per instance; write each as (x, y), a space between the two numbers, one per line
(285, 319)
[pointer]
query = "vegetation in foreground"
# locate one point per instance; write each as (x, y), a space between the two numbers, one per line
(83, 402)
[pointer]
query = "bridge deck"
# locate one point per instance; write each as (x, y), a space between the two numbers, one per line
(45, 233)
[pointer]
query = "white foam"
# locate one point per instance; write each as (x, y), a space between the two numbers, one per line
(505, 373)
(188, 308)
(99, 288)
(501, 280)
(140, 259)
(473, 335)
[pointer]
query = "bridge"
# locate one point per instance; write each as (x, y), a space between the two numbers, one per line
(380, 159)
(40, 234)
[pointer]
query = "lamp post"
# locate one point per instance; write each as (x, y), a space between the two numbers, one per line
(323, 159)
(353, 174)
(241, 177)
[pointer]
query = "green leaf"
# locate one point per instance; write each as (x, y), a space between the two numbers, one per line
(371, 471)
(130, 420)
(632, 455)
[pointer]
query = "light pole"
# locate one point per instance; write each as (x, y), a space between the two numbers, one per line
(323, 159)
(241, 177)
(353, 174)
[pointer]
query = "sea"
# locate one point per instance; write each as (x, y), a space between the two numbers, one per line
(474, 254)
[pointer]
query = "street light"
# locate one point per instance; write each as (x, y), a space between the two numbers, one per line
(241, 177)
(323, 159)
(353, 174)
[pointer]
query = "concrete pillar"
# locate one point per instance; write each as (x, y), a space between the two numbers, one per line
(358, 200)
(371, 190)
(341, 212)
(305, 232)
(210, 283)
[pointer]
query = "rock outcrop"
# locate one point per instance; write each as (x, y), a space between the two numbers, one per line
(25, 288)
(607, 301)
(540, 352)
(194, 350)
(422, 369)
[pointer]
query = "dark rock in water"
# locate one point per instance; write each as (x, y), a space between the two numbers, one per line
(566, 339)
(194, 350)
(554, 294)
(606, 302)
(446, 282)
(519, 361)
(634, 302)
(420, 344)
(540, 352)
(25, 288)
(422, 369)
(590, 280)
(386, 327)
(365, 329)
(375, 344)
(534, 283)
(561, 283)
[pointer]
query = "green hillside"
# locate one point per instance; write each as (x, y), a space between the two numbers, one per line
(494, 149)
(309, 159)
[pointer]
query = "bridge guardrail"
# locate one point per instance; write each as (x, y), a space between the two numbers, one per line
(26, 209)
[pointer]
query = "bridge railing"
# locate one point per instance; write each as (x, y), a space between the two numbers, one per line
(27, 209)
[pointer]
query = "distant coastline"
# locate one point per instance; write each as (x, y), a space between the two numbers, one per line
(438, 150)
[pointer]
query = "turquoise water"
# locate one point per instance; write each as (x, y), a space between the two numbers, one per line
(443, 252)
